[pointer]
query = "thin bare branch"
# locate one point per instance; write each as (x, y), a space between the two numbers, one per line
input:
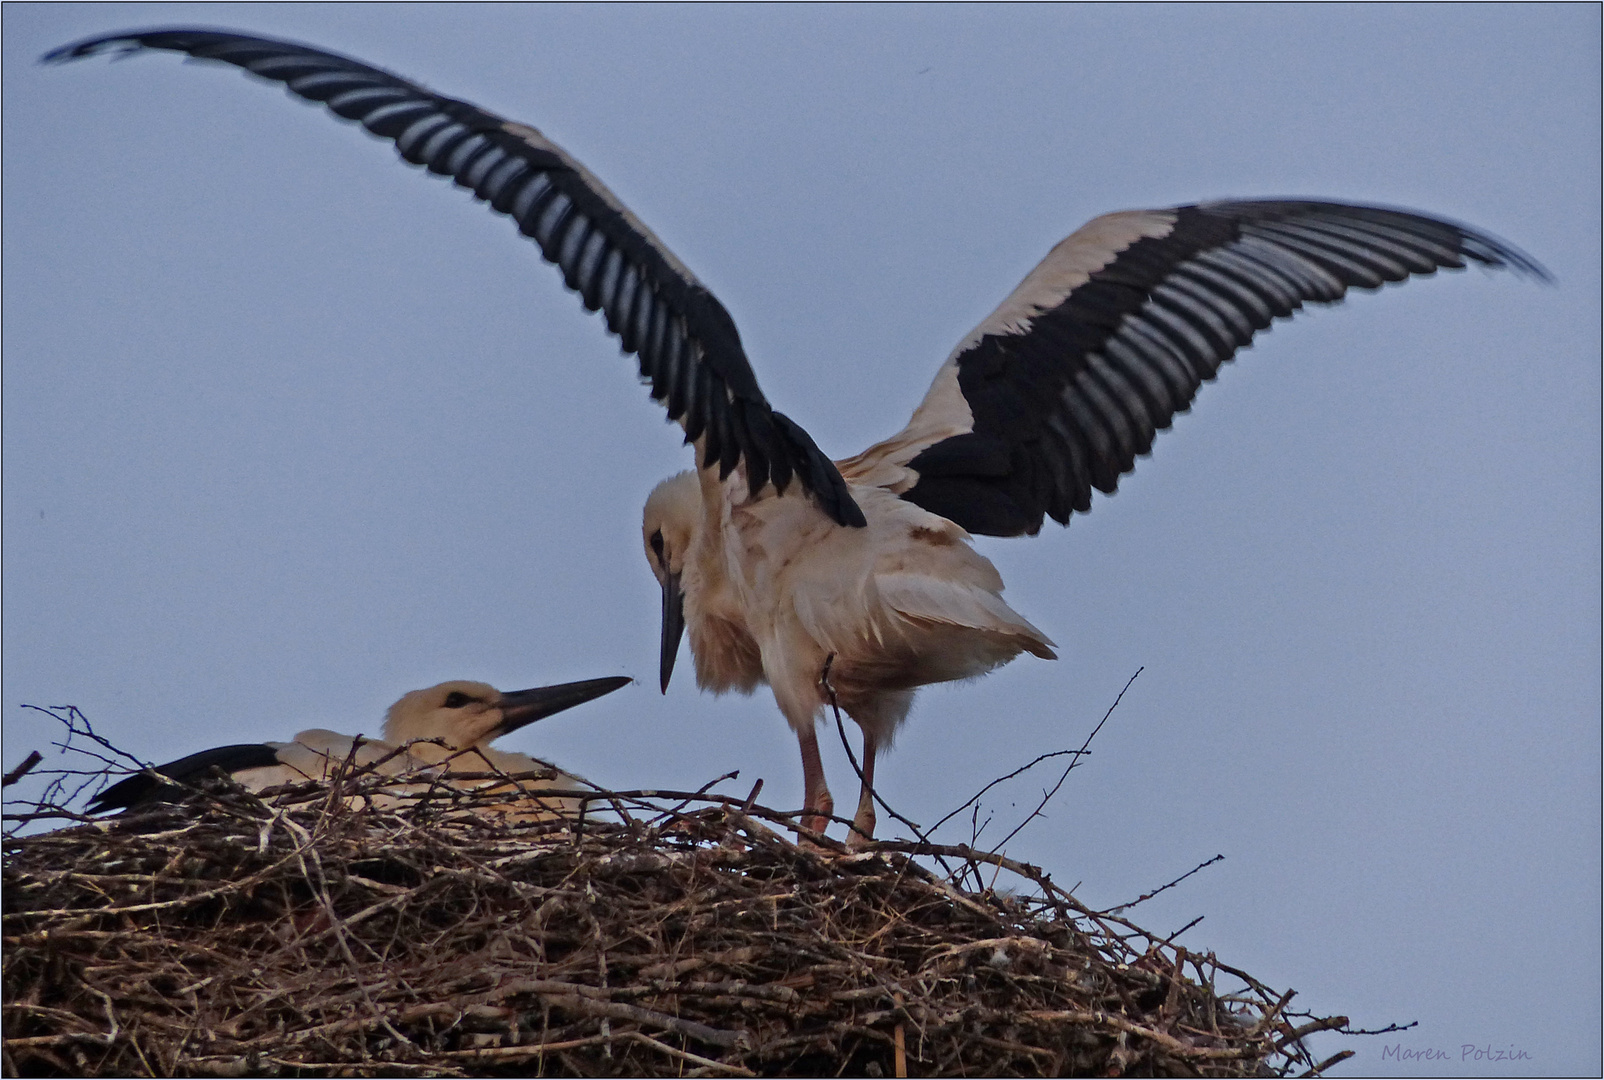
(1048, 795)
(975, 798)
(1119, 909)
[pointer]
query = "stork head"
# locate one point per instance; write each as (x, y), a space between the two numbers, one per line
(463, 714)
(672, 512)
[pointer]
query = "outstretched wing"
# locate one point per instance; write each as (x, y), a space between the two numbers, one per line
(688, 346)
(1063, 386)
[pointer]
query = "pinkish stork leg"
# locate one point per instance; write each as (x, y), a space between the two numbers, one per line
(862, 833)
(818, 803)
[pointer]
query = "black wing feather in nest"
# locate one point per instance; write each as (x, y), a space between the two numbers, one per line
(146, 785)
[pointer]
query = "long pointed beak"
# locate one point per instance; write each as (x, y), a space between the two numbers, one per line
(520, 707)
(673, 626)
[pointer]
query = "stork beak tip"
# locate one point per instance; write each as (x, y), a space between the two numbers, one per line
(673, 628)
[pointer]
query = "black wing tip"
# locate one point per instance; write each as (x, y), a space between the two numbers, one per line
(1504, 256)
(846, 510)
(1474, 244)
(148, 785)
(818, 475)
(115, 43)
(1496, 254)
(843, 509)
(127, 42)
(132, 790)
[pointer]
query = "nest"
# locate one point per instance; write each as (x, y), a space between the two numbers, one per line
(672, 933)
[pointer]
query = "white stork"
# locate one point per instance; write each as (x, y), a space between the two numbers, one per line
(782, 564)
(440, 734)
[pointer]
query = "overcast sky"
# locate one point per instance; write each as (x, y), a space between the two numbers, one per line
(291, 428)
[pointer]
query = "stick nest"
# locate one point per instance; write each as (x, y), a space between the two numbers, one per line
(682, 936)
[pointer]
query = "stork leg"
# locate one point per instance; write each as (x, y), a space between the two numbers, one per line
(862, 834)
(818, 803)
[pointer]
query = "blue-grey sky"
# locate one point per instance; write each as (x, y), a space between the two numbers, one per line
(291, 428)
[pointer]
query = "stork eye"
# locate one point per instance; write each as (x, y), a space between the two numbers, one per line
(657, 544)
(457, 699)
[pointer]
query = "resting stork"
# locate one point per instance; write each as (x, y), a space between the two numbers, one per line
(455, 721)
(782, 564)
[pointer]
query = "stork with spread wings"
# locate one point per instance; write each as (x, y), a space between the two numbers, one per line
(854, 582)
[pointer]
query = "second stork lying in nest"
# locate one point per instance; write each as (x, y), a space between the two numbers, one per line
(439, 735)
(782, 564)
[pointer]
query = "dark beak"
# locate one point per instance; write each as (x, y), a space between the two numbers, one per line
(520, 707)
(673, 625)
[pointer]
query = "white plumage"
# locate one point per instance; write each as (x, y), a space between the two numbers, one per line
(439, 736)
(771, 590)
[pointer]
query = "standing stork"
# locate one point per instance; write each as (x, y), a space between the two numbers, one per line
(783, 565)
(440, 733)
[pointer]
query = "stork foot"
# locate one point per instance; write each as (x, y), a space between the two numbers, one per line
(817, 818)
(861, 835)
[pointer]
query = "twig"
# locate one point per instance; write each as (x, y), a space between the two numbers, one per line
(1047, 797)
(686, 1055)
(899, 1044)
(491, 1053)
(1120, 909)
(34, 757)
(1267, 1021)
(1298, 1034)
(703, 790)
(1337, 1058)
(73, 718)
(1169, 1042)
(1182, 930)
(1388, 1030)
(593, 1000)
(975, 798)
